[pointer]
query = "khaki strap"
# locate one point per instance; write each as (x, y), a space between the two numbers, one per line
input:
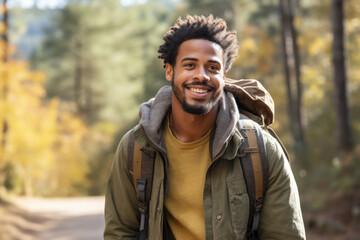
(255, 158)
(137, 163)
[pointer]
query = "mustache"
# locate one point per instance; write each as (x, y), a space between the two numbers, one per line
(198, 83)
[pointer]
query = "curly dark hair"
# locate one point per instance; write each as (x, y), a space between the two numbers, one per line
(199, 27)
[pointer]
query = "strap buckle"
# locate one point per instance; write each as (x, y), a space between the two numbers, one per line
(258, 204)
(141, 194)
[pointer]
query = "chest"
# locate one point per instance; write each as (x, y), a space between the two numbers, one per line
(224, 198)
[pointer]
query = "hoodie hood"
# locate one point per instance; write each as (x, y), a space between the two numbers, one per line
(153, 113)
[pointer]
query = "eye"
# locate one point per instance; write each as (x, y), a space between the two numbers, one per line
(214, 68)
(189, 65)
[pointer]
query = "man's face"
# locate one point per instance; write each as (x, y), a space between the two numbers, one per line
(197, 77)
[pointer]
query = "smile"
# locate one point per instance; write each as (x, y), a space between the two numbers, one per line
(199, 90)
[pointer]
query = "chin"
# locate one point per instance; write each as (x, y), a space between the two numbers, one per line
(198, 110)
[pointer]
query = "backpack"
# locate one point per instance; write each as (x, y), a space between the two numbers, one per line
(255, 105)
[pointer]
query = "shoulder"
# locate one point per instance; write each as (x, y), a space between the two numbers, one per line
(123, 149)
(282, 197)
(126, 144)
(278, 161)
(274, 152)
(272, 146)
(124, 141)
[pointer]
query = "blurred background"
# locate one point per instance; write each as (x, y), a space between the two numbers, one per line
(73, 73)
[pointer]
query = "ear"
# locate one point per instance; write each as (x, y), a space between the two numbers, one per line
(223, 80)
(169, 71)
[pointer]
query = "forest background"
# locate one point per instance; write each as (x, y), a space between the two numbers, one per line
(73, 76)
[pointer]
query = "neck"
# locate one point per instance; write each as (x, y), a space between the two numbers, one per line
(188, 127)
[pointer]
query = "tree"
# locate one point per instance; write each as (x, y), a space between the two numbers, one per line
(343, 134)
(292, 70)
(4, 34)
(158, 16)
(96, 56)
(71, 59)
(223, 9)
(4, 88)
(47, 148)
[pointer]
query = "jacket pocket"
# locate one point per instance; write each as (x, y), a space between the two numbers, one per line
(239, 207)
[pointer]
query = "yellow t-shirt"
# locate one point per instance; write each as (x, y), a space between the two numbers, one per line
(188, 163)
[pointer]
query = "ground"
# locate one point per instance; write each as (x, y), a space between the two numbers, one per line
(82, 218)
(56, 219)
(339, 219)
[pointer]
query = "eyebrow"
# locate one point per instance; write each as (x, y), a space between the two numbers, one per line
(189, 59)
(195, 59)
(214, 61)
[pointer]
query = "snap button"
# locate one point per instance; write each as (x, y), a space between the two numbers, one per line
(218, 217)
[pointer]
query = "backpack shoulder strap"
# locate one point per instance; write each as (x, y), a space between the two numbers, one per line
(261, 121)
(255, 169)
(141, 166)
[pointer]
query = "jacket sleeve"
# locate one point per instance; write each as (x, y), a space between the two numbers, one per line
(280, 217)
(121, 210)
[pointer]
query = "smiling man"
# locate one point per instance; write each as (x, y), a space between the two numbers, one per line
(199, 75)
(191, 132)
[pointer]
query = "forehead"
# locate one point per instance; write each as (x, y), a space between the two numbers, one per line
(200, 49)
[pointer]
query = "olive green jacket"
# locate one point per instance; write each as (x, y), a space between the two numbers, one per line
(226, 202)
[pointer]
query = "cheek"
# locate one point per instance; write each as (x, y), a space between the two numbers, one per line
(220, 83)
(180, 79)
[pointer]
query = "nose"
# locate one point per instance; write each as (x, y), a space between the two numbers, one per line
(201, 75)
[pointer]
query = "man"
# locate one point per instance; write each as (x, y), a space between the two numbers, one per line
(198, 187)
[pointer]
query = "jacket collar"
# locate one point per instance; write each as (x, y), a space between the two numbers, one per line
(226, 137)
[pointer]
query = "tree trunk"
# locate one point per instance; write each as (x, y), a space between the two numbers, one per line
(292, 71)
(284, 36)
(298, 94)
(5, 59)
(4, 94)
(89, 96)
(78, 78)
(343, 134)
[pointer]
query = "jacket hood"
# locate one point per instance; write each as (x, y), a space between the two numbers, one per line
(153, 113)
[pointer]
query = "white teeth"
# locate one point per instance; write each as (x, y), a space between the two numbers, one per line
(198, 90)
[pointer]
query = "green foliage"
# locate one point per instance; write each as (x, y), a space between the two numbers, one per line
(223, 9)
(154, 19)
(83, 58)
(101, 58)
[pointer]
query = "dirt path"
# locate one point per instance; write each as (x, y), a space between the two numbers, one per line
(82, 218)
(63, 218)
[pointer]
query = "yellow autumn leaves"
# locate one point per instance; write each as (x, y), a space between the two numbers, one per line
(44, 144)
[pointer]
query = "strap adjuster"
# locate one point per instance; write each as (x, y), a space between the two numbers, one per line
(258, 204)
(141, 194)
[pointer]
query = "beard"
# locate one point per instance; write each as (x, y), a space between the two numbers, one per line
(194, 109)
